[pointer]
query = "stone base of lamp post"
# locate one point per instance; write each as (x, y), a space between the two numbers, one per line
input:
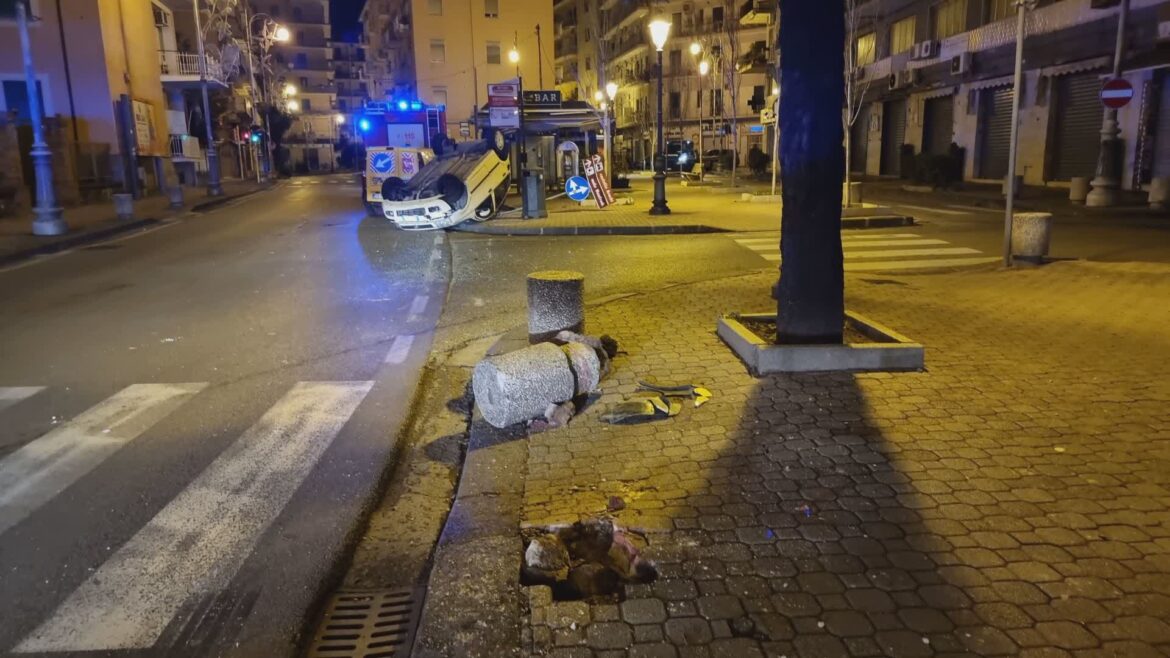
(659, 207)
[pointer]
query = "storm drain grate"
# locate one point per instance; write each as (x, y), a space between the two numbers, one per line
(368, 624)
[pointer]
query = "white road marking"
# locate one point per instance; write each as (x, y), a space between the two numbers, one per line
(937, 210)
(918, 264)
(43, 468)
(10, 395)
(436, 254)
(867, 243)
(419, 304)
(439, 239)
(893, 253)
(197, 543)
(775, 240)
(399, 349)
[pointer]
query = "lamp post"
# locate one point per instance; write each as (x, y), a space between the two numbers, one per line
(214, 188)
(270, 32)
(1107, 183)
(611, 90)
(659, 32)
(48, 219)
(335, 134)
(1022, 7)
(704, 68)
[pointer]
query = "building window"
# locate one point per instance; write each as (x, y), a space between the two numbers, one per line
(306, 105)
(435, 7)
(341, 105)
(302, 61)
(902, 35)
(439, 95)
(949, 18)
(304, 83)
(274, 10)
(588, 63)
(717, 102)
(997, 10)
(676, 62)
(675, 105)
(699, 100)
(865, 50)
(491, 8)
(301, 37)
(297, 15)
(717, 19)
(493, 52)
(438, 51)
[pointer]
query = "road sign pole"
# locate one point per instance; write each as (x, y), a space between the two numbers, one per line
(1107, 184)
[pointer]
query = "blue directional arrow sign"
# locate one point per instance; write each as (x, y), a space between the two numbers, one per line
(577, 188)
(383, 163)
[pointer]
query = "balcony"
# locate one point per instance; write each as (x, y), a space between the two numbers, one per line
(756, 12)
(185, 148)
(182, 69)
(626, 12)
(756, 60)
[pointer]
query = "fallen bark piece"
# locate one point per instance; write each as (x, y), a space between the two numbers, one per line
(630, 411)
(616, 504)
(586, 366)
(588, 540)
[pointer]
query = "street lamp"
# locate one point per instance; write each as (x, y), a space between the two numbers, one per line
(696, 48)
(611, 90)
(48, 220)
(659, 32)
(1107, 184)
(270, 32)
(281, 34)
(292, 105)
(704, 69)
(290, 90)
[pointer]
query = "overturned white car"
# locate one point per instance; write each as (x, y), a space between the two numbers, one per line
(467, 183)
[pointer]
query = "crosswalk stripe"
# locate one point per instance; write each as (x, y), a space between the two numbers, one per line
(419, 304)
(197, 543)
(892, 253)
(918, 264)
(775, 240)
(10, 395)
(869, 243)
(940, 211)
(43, 468)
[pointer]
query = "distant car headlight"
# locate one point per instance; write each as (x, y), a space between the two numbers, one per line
(683, 158)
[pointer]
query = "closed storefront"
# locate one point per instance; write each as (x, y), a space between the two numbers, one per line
(893, 136)
(1162, 129)
(1076, 133)
(938, 125)
(859, 140)
(995, 132)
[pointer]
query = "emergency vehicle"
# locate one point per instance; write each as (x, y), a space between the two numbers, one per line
(397, 135)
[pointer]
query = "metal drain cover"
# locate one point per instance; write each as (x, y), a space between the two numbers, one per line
(368, 624)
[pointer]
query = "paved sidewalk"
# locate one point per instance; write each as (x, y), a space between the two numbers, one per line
(1014, 499)
(97, 221)
(704, 209)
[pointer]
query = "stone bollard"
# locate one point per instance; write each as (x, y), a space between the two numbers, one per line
(176, 195)
(1159, 193)
(520, 385)
(1078, 190)
(556, 302)
(851, 194)
(1031, 234)
(124, 206)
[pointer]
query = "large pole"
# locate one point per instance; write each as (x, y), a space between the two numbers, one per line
(48, 219)
(260, 175)
(539, 58)
(1107, 183)
(659, 207)
(214, 188)
(1017, 82)
(776, 147)
(700, 72)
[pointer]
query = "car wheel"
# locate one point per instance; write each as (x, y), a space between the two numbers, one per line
(498, 142)
(373, 210)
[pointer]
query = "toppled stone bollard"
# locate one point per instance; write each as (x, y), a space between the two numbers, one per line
(520, 385)
(556, 302)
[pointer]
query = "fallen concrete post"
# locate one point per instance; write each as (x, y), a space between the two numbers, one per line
(556, 302)
(519, 386)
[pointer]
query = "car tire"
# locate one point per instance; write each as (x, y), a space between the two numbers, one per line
(373, 210)
(497, 142)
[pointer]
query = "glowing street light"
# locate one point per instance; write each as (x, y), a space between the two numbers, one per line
(514, 56)
(696, 48)
(704, 67)
(598, 96)
(281, 34)
(611, 89)
(659, 33)
(293, 106)
(290, 90)
(340, 119)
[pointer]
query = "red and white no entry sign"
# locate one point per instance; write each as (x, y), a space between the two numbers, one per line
(1116, 93)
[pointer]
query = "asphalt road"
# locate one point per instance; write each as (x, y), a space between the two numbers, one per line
(192, 419)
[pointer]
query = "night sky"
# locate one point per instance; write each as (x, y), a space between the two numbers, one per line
(344, 16)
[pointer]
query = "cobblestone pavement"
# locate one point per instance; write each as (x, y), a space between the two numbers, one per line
(1014, 499)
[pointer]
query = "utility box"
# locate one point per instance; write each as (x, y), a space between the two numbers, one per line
(534, 196)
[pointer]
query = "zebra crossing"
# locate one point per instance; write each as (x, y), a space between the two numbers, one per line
(882, 252)
(198, 541)
(298, 182)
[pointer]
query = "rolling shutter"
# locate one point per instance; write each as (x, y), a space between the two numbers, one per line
(859, 141)
(939, 129)
(1162, 130)
(893, 136)
(995, 132)
(1077, 134)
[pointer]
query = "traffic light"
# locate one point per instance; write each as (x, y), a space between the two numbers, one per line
(255, 134)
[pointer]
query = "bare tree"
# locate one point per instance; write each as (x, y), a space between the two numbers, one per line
(731, 76)
(856, 56)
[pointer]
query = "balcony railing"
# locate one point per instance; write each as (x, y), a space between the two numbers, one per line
(179, 64)
(186, 147)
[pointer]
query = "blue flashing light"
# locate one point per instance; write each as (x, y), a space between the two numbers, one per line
(255, 137)
(402, 105)
(364, 124)
(416, 105)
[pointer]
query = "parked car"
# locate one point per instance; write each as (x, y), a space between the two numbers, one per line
(467, 183)
(680, 155)
(718, 160)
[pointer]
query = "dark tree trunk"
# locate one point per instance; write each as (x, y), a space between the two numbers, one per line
(811, 291)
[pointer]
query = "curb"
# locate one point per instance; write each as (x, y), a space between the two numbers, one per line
(473, 591)
(112, 230)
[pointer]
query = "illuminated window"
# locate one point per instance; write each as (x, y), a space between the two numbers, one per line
(949, 18)
(865, 49)
(902, 35)
(491, 8)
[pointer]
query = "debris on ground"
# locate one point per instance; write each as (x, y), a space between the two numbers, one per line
(615, 504)
(640, 409)
(587, 560)
(555, 415)
(699, 394)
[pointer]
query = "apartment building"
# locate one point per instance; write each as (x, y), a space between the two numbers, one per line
(446, 52)
(349, 75)
(937, 72)
(601, 41)
(305, 73)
